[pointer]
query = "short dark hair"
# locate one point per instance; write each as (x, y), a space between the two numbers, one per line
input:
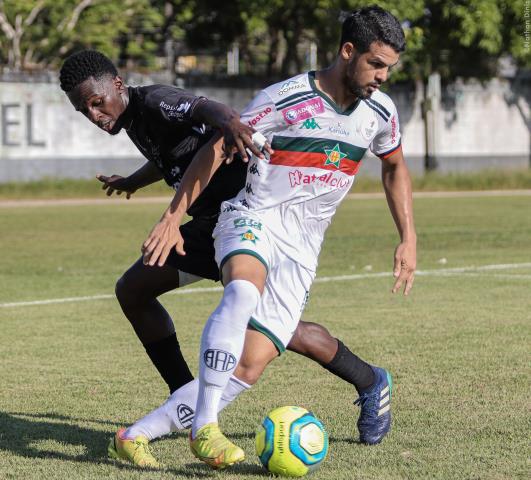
(371, 24)
(82, 65)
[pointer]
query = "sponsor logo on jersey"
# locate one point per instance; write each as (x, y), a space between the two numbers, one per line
(302, 111)
(334, 156)
(253, 169)
(185, 415)
(310, 124)
(219, 360)
(297, 178)
(289, 86)
(249, 236)
(247, 222)
(249, 189)
(177, 111)
(262, 114)
(339, 129)
(393, 129)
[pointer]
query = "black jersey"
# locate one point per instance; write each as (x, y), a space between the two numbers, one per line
(158, 121)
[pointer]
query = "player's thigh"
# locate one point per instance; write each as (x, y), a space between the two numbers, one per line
(283, 300)
(258, 352)
(243, 248)
(142, 280)
(199, 260)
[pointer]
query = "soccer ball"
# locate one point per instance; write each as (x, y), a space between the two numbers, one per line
(291, 442)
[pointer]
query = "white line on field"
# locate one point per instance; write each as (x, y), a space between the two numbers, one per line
(470, 271)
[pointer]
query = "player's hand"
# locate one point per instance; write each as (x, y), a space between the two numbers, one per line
(116, 183)
(237, 138)
(405, 265)
(164, 236)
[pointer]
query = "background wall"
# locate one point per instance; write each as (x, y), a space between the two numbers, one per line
(474, 127)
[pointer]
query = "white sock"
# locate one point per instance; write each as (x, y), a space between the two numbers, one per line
(221, 347)
(177, 412)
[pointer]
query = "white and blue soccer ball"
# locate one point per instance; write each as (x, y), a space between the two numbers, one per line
(291, 442)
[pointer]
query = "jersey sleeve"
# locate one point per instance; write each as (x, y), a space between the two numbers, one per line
(388, 139)
(172, 104)
(261, 114)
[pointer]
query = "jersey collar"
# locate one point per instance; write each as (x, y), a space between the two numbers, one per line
(334, 105)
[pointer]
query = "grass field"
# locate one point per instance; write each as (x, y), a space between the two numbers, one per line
(482, 180)
(458, 347)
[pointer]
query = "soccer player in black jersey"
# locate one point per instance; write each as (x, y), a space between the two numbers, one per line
(168, 126)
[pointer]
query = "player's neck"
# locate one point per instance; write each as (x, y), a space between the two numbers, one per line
(329, 81)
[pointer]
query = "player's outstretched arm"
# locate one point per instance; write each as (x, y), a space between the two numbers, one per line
(166, 235)
(237, 136)
(144, 176)
(397, 186)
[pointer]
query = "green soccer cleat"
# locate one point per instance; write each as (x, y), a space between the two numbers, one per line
(213, 448)
(136, 451)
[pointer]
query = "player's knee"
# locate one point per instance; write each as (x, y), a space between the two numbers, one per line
(248, 372)
(124, 292)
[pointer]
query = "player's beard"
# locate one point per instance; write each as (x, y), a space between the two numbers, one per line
(353, 87)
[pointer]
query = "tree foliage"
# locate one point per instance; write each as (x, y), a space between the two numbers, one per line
(453, 37)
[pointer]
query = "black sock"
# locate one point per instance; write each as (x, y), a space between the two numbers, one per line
(351, 368)
(167, 357)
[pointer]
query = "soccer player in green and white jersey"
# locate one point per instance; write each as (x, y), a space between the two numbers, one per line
(269, 236)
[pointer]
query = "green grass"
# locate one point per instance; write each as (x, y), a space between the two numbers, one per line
(458, 347)
(485, 180)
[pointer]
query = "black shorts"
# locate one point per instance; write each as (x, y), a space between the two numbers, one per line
(199, 248)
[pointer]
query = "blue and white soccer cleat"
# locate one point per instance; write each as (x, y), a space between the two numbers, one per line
(375, 415)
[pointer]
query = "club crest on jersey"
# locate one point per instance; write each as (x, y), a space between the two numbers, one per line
(303, 110)
(249, 236)
(310, 124)
(334, 156)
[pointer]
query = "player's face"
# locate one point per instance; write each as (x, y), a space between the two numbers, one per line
(365, 72)
(101, 101)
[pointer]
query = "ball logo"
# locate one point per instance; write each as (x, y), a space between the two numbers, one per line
(219, 360)
(185, 415)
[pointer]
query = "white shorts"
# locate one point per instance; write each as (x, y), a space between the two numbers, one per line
(288, 282)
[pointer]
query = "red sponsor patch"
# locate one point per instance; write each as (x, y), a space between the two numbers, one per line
(262, 114)
(303, 111)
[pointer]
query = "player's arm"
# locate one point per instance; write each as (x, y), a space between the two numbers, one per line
(179, 106)
(397, 185)
(144, 176)
(166, 235)
(236, 135)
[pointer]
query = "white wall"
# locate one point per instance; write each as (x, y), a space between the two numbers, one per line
(41, 135)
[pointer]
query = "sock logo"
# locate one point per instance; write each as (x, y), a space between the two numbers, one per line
(219, 360)
(185, 415)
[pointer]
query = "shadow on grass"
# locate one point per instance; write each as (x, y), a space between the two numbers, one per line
(20, 434)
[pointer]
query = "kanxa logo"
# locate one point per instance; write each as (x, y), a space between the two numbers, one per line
(219, 360)
(185, 415)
